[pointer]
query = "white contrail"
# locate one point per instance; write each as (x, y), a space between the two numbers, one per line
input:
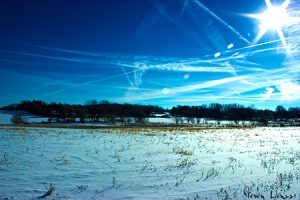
(104, 55)
(186, 2)
(121, 59)
(256, 45)
(183, 89)
(222, 21)
(76, 60)
(46, 56)
(125, 73)
(91, 82)
(273, 76)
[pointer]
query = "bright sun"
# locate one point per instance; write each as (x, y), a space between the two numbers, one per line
(274, 19)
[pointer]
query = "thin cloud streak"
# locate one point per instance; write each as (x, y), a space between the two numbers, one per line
(179, 90)
(222, 21)
(231, 64)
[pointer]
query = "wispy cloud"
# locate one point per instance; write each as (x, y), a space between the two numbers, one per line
(268, 93)
(179, 90)
(289, 91)
(231, 64)
(236, 75)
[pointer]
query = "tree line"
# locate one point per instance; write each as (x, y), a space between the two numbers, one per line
(104, 111)
(92, 111)
(234, 112)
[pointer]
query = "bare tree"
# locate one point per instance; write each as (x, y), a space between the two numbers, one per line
(18, 119)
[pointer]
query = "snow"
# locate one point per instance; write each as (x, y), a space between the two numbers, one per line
(5, 117)
(141, 163)
(161, 120)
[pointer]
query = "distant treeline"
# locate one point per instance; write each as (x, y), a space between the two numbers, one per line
(234, 112)
(92, 111)
(105, 111)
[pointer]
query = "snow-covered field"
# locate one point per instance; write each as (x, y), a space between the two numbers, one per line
(5, 117)
(150, 163)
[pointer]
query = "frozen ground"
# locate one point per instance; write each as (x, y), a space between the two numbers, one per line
(150, 163)
(5, 117)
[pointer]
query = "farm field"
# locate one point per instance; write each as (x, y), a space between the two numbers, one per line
(150, 163)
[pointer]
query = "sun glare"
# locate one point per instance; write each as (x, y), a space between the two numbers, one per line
(275, 18)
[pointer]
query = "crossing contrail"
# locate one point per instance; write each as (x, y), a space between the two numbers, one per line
(184, 7)
(222, 21)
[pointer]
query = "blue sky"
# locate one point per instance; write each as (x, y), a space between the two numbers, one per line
(162, 52)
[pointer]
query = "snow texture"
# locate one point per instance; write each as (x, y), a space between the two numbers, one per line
(149, 163)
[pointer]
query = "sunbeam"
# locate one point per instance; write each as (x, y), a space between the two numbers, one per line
(275, 18)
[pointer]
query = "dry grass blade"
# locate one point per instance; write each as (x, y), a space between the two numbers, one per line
(50, 190)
